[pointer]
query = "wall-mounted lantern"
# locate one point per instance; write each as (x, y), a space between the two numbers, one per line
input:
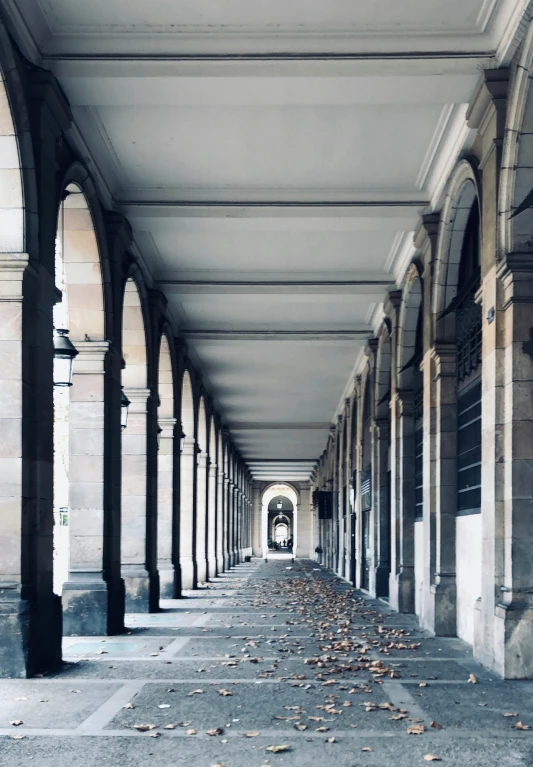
(159, 431)
(198, 454)
(124, 407)
(64, 354)
(182, 442)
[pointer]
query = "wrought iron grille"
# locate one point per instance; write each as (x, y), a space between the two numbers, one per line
(366, 488)
(419, 473)
(469, 333)
(469, 449)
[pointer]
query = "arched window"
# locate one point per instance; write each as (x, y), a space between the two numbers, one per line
(418, 393)
(468, 318)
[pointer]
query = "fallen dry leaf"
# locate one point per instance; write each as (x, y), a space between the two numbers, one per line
(192, 731)
(195, 692)
(331, 740)
(278, 749)
(301, 727)
(16, 722)
(169, 727)
(472, 678)
(432, 758)
(215, 731)
(436, 726)
(322, 729)
(510, 713)
(367, 748)
(128, 705)
(252, 734)
(18, 736)
(520, 726)
(416, 729)
(224, 693)
(144, 727)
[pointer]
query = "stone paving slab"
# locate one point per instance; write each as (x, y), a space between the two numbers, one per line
(49, 705)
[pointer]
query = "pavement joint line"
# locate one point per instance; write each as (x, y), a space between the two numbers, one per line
(108, 710)
(174, 647)
(401, 698)
(451, 734)
(225, 680)
(201, 620)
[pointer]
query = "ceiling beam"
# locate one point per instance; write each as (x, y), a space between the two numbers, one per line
(317, 206)
(254, 426)
(274, 287)
(360, 334)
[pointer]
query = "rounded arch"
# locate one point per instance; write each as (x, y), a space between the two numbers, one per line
(410, 307)
(165, 379)
(516, 179)
(383, 374)
(135, 373)
(463, 191)
(187, 405)
(78, 268)
(280, 488)
(19, 199)
(202, 434)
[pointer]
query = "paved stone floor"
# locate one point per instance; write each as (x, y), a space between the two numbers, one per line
(270, 655)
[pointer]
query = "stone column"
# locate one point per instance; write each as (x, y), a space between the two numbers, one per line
(402, 577)
(220, 510)
(232, 525)
(212, 527)
(136, 566)
(508, 531)
(165, 508)
(257, 529)
(440, 489)
(383, 507)
(30, 613)
(201, 517)
(187, 554)
(227, 512)
(92, 593)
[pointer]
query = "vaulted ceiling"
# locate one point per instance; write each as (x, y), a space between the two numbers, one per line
(274, 160)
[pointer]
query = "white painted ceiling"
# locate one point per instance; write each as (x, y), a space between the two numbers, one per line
(273, 159)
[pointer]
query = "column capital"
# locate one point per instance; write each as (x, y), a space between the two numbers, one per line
(138, 398)
(91, 356)
(12, 268)
(444, 355)
(167, 425)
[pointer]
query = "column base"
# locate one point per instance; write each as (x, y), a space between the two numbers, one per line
(440, 607)
(30, 638)
(92, 607)
(220, 564)
(187, 573)
(168, 586)
(512, 656)
(201, 570)
(402, 590)
(382, 576)
(211, 566)
(142, 590)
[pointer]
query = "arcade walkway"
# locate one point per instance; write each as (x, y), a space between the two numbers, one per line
(275, 654)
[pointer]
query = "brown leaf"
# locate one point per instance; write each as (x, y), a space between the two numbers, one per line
(128, 705)
(17, 736)
(322, 729)
(331, 740)
(520, 726)
(367, 748)
(301, 726)
(215, 731)
(423, 684)
(16, 722)
(432, 758)
(251, 734)
(195, 692)
(510, 713)
(144, 727)
(436, 726)
(278, 749)
(192, 731)
(169, 727)
(416, 729)
(224, 693)
(472, 678)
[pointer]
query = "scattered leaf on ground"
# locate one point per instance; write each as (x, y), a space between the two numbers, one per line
(215, 731)
(436, 726)
(520, 726)
(472, 678)
(251, 734)
(432, 758)
(16, 722)
(278, 749)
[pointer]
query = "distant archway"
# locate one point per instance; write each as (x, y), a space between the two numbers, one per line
(201, 493)
(165, 473)
(289, 495)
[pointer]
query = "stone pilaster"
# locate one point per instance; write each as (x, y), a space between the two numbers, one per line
(201, 517)
(165, 508)
(440, 489)
(402, 577)
(30, 613)
(187, 553)
(220, 510)
(212, 526)
(92, 595)
(381, 437)
(227, 515)
(137, 572)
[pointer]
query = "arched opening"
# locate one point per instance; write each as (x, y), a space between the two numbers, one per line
(136, 522)
(202, 462)
(165, 474)
(212, 501)
(366, 488)
(82, 557)
(353, 486)
(418, 416)
(382, 514)
(468, 323)
(187, 467)
(279, 504)
(280, 523)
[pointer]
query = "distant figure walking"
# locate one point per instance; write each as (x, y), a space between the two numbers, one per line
(289, 544)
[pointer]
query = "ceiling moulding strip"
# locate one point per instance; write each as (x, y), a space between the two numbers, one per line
(486, 15)
(275, 335)
(509, 30)
(435, 144)
(266, 426)
(392, 57)
(252, 287)
(247, 207)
